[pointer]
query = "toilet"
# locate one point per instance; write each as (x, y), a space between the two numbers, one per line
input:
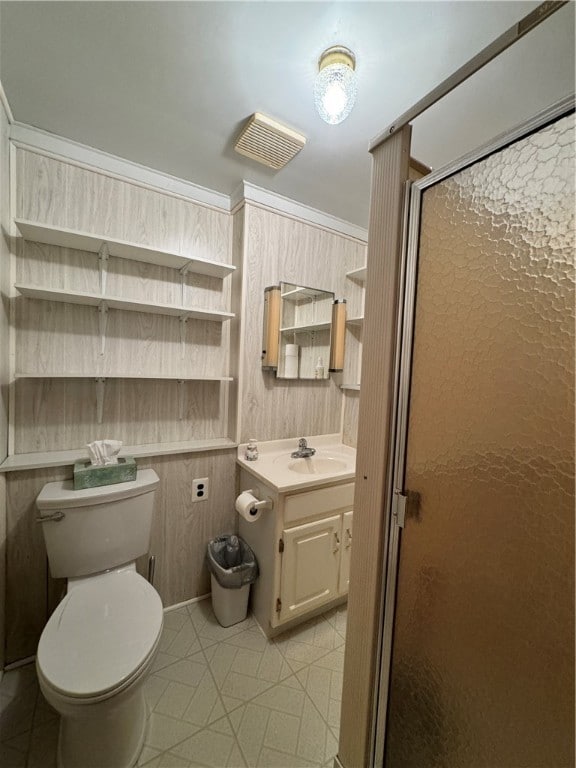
(98, 646)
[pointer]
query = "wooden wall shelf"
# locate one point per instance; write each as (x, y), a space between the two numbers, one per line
(84, 241)
(309, 327)
(357, 274)
(114, 302)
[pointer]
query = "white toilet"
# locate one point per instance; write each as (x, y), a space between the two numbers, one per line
(100, 642)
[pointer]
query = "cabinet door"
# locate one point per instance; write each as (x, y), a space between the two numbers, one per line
(344, 579)
(309, 566)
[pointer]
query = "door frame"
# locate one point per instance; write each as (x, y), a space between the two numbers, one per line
(403, 371)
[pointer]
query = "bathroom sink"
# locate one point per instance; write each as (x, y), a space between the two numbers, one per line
(275, 466)
(317, 466)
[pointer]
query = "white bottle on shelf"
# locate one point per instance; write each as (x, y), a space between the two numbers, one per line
(319, 370)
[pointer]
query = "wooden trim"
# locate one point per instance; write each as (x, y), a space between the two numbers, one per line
(72, 152)
(389, 174)
(272, 201)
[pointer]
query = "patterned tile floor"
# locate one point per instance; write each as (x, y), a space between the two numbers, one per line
(226, 698)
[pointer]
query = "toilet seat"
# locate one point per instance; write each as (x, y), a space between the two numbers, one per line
(100, 637)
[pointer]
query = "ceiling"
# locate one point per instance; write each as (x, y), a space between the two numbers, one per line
(168, 84)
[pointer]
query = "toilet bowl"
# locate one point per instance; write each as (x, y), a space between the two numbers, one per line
(92, 662)
(99, 644)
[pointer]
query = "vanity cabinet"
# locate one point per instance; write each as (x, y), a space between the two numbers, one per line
(303, 546)
(315, 565)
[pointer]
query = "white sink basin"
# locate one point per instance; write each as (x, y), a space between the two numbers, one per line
(275, 466)
(316, 466)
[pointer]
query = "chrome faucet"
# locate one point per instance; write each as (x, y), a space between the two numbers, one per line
(303, 451)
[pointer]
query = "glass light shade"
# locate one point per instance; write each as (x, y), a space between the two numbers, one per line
(335, 92)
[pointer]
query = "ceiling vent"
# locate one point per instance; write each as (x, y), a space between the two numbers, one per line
(269, 142)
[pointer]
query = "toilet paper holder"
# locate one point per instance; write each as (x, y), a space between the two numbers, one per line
(262, 503)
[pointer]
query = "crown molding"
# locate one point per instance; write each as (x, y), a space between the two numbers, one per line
(35, 139)
(67, 150)
(250, 193)
(5, 104)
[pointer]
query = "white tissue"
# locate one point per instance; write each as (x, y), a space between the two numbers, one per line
(245, 506)
(102, 452)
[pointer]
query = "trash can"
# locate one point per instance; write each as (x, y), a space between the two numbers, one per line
(233, 568)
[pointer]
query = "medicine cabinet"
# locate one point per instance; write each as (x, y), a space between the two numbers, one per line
(297, 331)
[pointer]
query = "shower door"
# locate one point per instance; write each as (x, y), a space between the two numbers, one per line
(482, 664)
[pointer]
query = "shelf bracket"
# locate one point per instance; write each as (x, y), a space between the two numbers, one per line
(183, 321)
(181, 398)
(102, 320)
(183, 271)
(103, 256)
(99, 399)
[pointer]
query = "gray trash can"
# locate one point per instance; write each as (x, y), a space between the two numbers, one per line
(233, 568)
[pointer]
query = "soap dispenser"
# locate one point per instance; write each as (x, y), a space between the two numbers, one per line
(251, 450)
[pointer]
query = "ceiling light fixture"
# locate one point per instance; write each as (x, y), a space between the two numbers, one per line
(335, 86)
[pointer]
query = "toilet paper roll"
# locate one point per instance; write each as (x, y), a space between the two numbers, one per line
(245, 507)
(291, 368)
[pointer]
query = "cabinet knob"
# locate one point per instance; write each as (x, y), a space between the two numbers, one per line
(336, 543)
(348, 538)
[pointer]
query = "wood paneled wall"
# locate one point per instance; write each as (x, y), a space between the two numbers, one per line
(279, 248)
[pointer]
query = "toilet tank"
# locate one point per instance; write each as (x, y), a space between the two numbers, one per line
(96, 529)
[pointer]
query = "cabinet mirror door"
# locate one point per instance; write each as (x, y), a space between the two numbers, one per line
(305, 332)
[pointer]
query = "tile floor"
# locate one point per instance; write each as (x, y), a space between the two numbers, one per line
(226, 698)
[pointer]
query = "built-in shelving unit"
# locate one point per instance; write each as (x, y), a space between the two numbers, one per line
(122, 249)
(181, 370)
(66, 458)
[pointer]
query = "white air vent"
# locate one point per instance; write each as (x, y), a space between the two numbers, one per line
(269, 142)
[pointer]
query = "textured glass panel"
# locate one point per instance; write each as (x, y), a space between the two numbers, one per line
(483, 658)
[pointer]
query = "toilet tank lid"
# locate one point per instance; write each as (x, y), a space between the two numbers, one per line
(61, 495)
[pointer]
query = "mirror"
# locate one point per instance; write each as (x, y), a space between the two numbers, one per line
(304, 335)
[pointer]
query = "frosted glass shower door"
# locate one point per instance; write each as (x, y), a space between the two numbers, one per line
(482, 671)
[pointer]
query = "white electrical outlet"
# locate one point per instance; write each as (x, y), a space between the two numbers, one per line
(200, 489)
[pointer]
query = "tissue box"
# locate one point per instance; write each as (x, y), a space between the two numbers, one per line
(86, 475)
